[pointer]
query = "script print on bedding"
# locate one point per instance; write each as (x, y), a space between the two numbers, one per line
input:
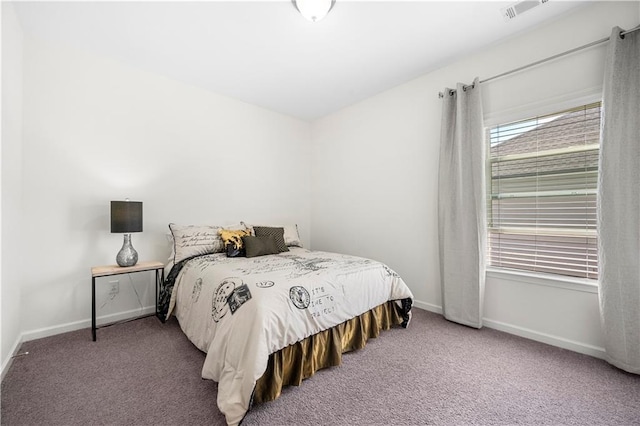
(240, 310)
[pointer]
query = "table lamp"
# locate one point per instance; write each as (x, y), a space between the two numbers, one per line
(126, 217)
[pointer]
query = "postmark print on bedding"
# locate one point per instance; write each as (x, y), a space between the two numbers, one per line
(197, 288)
(317, 300)
(299, 297)
(238, 297)
(220, 306)
(230, 295)
(265, 284)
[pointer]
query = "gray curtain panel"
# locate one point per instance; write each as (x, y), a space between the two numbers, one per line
(461, 205)
(619, 203)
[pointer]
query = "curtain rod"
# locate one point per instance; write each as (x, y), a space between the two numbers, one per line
(550, 58)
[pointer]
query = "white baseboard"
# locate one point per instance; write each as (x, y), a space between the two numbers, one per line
(78, 325)
(7, 362)
(428, 306)
(549, 339)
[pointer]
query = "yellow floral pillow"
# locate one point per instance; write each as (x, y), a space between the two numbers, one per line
(232, 240)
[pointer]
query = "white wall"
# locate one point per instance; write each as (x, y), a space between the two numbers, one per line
(12, 247)
(375, 170)
(96, 130)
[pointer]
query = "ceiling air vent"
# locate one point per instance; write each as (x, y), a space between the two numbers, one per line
(516, 9)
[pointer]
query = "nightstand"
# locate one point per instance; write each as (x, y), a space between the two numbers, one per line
(110, 270)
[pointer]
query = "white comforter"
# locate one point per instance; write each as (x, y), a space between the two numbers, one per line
(240, 310)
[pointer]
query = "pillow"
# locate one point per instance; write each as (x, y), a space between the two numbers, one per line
(172, 256)
(193, 240)
(291, 236)
(260, 246)
(232, 240)
(276, 233)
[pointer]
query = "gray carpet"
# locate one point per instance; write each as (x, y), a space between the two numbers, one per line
(434, 372)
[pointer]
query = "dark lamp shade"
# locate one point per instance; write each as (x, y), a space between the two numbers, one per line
(126, 216)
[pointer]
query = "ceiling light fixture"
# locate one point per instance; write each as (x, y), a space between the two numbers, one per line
(313, 10)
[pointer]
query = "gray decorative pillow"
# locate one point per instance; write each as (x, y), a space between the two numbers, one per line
(291, 235)
(259, 246)
(276, 233)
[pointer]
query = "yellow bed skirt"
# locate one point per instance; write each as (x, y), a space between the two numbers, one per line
(293, 364)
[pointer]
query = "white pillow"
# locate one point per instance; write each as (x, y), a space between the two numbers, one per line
(193, 240)
(291, 235)
(172, 256)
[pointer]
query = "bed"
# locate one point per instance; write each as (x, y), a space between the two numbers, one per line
(271, 320)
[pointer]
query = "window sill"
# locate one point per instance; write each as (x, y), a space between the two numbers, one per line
(548, 280)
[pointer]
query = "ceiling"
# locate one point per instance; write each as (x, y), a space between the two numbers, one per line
(265, 53)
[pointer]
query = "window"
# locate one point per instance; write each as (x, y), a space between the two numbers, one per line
(541, 203)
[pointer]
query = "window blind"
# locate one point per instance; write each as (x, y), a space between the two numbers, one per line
(542, 198)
